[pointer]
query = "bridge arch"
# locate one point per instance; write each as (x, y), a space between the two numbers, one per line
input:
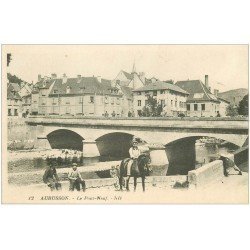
(114, 145)
(65, 139)
(183, 155)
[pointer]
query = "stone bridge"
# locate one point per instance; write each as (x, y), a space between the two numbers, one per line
(101, 136)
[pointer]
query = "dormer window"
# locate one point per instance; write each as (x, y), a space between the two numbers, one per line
(55, 91)
(68, 90)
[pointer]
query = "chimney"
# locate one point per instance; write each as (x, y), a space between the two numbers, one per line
(64, 78)
(53, 76)
(206, 81)
(142, 77)
(99, 79)
(39, 78)
(79, 77)
(216, 92)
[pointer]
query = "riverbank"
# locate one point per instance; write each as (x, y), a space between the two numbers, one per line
(231, 190)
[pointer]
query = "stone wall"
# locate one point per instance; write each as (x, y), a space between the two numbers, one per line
(206, 174)
(20, 135)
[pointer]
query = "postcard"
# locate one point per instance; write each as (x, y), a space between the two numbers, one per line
(125, 124)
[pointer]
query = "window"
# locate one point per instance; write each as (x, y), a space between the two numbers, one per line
(195, 107)
(68, 90)
(9, 112)
(34, 101)
(171, 103)
(91, 99)
(55, 91)
(106, 99)
(139, 102)
(155, 93)
(15, 112)
(112, 100)
(175, 103)
(68, 103)
(54, 102)
(188, 107)
(203, 107)
(67, 110)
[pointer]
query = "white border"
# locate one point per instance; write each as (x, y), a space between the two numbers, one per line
(115, 227)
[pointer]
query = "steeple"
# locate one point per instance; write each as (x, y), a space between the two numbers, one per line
(134, 69)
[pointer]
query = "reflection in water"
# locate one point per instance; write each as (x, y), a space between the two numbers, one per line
(183, 155)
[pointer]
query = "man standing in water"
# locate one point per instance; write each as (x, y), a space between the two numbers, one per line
(75, 179)
(50, 177)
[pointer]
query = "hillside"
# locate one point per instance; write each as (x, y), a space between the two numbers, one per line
(234, 96)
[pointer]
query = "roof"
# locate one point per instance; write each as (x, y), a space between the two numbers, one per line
(12, 93)
(127, 91)
(161, 86)
(15, 86)
(197, 91)
(44, 83)
(128, 75)
(84, 85)
(221, 99)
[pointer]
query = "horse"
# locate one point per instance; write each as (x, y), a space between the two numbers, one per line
(142, 171)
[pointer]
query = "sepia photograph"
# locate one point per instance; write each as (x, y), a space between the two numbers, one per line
(125, 124)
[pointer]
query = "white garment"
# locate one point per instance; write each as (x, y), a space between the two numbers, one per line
(134, 152)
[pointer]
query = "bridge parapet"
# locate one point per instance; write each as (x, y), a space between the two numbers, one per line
(239, 123)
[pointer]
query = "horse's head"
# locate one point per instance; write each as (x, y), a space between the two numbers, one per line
(143, 163)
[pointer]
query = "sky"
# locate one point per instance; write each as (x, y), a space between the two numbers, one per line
(226, 65)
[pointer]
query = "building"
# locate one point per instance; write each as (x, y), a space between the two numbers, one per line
(171, 97)
(223, 106)
(89, 96)
(14, 100)
(132, 80)
(25, 93)
(233, 96)
(200, 102)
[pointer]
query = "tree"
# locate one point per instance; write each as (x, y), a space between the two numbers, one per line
(14, 79)
(152, 108)
(231, 110)
(243, 106)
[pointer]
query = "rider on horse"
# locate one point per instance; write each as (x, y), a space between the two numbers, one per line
(134, 153)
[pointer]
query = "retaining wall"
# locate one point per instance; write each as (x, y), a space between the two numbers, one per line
(206, 174)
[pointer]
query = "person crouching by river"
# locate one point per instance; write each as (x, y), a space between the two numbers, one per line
(75, 179)
(50, 177)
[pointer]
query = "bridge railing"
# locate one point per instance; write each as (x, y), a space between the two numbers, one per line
(227, 118)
